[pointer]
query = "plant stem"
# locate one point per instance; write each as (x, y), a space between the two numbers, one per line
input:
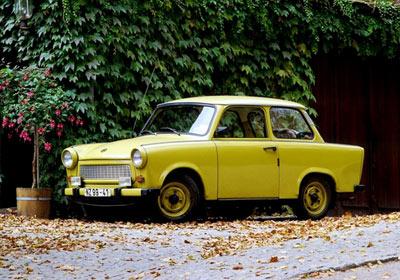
(34, 162)
(37, 158)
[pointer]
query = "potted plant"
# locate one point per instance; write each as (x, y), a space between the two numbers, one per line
(34, 108)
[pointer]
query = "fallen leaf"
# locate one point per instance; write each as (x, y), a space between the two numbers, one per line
(155, 274)
(190, 257)
(28, 269)
(68, 268)
(238, 266)
(273, 259)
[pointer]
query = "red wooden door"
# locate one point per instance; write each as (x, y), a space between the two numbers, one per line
(358, 103)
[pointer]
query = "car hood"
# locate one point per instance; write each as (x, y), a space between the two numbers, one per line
(122, 149)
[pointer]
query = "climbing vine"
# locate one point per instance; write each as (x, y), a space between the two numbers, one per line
(70, 8)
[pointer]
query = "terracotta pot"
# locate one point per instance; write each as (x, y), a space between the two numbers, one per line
(34, 202)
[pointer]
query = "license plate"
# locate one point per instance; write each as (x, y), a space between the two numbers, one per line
(98, 192)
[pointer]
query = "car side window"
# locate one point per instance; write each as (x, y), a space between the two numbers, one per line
(256, 120)
(230, 126)
(288, 123)
(242, 122)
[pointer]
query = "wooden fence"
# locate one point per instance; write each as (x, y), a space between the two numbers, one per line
(358, 102)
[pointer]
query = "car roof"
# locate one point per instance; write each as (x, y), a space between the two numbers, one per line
(236, 100)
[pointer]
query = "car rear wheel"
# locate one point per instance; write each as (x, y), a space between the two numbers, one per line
(314, 198)
(178, 199)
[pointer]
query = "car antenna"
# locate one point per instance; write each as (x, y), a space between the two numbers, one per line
(144, 95)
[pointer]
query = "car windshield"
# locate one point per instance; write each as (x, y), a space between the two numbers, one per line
(191, 119)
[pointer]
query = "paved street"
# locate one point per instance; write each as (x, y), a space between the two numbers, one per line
(361, 247)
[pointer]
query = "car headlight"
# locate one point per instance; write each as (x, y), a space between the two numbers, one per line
(139, 158)
(69, 158)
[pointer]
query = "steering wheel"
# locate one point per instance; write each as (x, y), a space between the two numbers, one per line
(304, 135)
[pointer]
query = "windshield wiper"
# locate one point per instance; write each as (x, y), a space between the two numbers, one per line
(167, 128)
(147, 132)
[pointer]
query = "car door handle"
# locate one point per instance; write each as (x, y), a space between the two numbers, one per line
(270, 148)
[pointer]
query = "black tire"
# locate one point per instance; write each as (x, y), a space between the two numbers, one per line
(314, 198)
(179, 199)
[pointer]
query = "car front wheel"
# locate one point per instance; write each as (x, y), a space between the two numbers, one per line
(314, 198)
(178, 199)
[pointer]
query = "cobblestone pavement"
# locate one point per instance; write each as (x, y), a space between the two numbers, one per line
(76, 249)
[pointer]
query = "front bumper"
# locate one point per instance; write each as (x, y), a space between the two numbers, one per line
(119, 196)
(115, 192)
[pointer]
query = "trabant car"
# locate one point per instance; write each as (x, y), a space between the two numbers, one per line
(212, 149)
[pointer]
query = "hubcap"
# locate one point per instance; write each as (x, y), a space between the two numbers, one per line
(174, 199)
(315, 198)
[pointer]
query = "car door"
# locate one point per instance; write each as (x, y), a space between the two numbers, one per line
(247, 158)
(292, 130)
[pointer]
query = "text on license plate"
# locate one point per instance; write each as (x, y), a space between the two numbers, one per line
(98, 192)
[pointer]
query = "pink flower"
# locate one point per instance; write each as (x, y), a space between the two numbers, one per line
(59, 133)
(41, 130)
(9, 135)
(47, 72)
(25, 136)
(25, 77)
(20, 114)
(65, 105)
(5, 122)
(24, 101)
(30, 94)
(47, 146)
(11, 124)
(20, 119)
(52, 124)
(58, 112)
(60, 126)
(2, 87)
(79, 122)
(71, 118)
(6, 83)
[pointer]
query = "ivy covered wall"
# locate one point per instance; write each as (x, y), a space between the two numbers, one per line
(123, 57)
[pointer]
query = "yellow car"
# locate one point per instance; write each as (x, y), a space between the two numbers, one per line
(200, 150)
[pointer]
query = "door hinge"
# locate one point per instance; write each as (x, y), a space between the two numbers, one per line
(278, 162)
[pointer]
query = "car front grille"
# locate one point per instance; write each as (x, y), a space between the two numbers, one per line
(104, 171)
